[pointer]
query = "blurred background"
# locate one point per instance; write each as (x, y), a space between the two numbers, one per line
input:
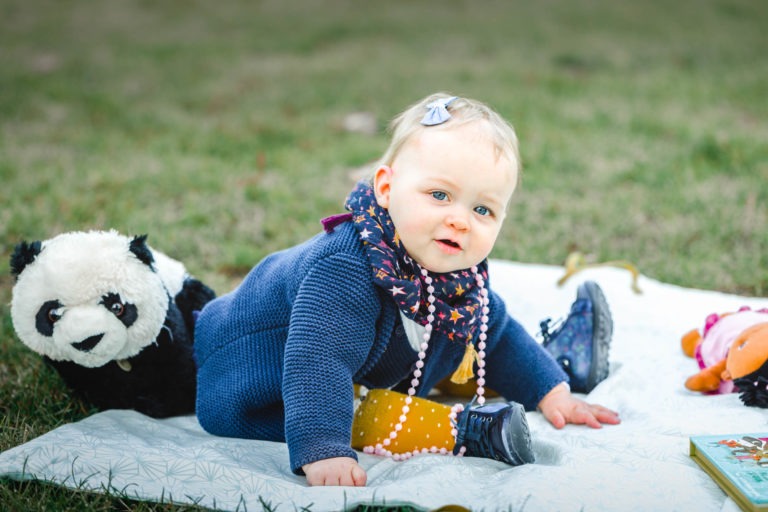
(226, 130)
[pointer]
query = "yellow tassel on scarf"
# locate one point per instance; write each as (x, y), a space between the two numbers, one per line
(464, 372)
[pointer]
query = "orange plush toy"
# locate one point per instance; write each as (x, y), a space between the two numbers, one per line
(747, 365)
(731, 351)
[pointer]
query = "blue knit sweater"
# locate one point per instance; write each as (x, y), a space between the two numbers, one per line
(277, 356)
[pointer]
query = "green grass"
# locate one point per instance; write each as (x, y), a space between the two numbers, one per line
(216, 127)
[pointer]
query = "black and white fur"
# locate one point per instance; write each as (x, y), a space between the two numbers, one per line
(113, 316)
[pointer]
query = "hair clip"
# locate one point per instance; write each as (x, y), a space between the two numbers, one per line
(437, 113)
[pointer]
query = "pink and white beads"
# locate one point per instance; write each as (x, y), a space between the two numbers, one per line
(381, 448)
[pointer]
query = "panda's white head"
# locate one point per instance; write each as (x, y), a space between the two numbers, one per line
(87, 297)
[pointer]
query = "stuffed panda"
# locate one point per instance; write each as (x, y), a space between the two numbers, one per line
(114, 317)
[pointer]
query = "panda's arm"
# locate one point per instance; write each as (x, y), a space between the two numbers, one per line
(192, 297)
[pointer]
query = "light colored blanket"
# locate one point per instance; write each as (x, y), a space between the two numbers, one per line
(642, 464)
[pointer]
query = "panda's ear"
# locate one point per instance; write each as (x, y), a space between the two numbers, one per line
(24, 254)
(139, 248)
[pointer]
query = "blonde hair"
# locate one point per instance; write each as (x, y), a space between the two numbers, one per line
(462, 110)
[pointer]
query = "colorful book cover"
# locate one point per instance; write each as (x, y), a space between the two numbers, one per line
(739, 465)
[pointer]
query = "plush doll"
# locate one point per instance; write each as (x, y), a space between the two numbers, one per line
(731, 351)
(747, 365)
(113, 317)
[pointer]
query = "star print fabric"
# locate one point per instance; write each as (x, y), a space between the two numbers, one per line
(457, 295)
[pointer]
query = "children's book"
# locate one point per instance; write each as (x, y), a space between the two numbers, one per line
(739, 465)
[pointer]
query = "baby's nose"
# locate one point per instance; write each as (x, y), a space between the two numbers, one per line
(457, 221)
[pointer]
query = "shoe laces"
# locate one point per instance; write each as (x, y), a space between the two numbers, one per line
(473, 430)
(549, 328)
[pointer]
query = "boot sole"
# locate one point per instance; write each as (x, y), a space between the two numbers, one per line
(602, 331)
(517, 440)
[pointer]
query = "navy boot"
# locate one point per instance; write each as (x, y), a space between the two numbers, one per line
(581, 343)
(495, 431)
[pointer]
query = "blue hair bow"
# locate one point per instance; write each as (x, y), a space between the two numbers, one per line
(437, 113)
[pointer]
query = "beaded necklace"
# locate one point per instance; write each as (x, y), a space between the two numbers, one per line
(381, 448)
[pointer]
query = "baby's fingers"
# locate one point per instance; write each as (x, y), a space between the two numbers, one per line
(358, 476)
(585, 416)
(605, 415)
(594, 416)
(556, 418)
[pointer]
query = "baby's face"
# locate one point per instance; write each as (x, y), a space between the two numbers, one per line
(447, 193)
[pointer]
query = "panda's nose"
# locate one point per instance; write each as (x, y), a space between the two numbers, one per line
(88, 343)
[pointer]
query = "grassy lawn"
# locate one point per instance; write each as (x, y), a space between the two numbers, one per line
(218, 128)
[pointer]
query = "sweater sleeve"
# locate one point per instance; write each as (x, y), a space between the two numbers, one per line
(332, 329)
(516, 366)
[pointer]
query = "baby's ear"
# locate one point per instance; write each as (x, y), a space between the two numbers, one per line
(382, 184)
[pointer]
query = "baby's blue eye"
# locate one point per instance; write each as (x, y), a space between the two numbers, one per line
(482, 210)
(440, 196)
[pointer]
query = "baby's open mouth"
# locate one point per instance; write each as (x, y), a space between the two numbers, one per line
(450, 243)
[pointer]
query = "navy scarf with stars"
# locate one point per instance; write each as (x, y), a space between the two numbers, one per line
(457, 298)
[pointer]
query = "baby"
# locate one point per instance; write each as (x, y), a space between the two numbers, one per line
(394, 292)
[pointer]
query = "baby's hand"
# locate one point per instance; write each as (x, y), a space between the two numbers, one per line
(335, 471)
(560, 407)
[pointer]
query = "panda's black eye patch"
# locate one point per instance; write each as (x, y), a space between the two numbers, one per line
(46, 316)
(124, 311)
